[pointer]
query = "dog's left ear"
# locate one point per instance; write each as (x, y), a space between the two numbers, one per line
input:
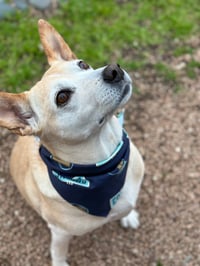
(16, 114)
(54, 45)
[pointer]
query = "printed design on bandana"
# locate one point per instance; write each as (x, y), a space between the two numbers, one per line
(115, 199)
(119, 168)
(65, 168)
(93, 188)
(77, 180)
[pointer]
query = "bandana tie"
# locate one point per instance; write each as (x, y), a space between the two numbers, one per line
(93, 188)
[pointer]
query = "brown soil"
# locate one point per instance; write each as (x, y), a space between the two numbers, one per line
(165, 127)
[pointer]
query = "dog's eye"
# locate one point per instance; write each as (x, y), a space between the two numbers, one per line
(83, 65)
(63, 97)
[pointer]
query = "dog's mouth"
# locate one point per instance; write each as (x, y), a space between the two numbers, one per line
(101, 121)
(125, 94)
(126, 90)
(119, 104)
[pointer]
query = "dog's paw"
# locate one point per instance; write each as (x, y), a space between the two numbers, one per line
(131, 220)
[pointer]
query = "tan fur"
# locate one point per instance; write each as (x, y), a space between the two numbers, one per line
(34, 184)
(72, 134)
(49, 34)
(15, 114)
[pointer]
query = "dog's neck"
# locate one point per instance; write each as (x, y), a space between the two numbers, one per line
(95, 149)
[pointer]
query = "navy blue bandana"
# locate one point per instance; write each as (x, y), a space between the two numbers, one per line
(94, 188)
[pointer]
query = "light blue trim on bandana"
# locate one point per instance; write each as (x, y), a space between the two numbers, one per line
(112, 155)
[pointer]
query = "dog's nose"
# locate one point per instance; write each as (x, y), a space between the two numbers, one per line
(113, 73)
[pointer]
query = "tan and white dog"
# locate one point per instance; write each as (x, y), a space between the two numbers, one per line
(71, 111)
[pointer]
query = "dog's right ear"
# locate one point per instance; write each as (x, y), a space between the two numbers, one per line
(54, 45)
(16, 114)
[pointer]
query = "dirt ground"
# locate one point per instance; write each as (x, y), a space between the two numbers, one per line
(165, 127)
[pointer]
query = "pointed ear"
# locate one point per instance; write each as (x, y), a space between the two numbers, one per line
(54, 45)
(16, 114)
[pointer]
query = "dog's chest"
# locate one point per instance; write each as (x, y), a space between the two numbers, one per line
(94, 189)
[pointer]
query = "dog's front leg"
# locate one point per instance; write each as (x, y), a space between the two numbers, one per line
(59, 246)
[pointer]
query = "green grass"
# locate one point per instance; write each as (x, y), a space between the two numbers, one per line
(99, 32)
(181, 50)
(166, 72)
(169, 76)
(159, 264)
(191, 67)
(20, 59)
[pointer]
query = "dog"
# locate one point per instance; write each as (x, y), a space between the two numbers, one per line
(66, 122)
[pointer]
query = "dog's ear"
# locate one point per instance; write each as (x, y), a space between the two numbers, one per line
(54, 45)
(16, 114)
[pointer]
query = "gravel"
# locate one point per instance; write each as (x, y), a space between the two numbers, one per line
(165, 127)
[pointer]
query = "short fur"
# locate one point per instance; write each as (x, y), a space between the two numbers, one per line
(84, 131)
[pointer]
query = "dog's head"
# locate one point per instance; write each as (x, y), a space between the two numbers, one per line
(71, 101)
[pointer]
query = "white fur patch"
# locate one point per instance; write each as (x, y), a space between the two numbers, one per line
(131, 220)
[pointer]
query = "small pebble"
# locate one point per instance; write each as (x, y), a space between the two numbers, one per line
(2, 180)
(180, 66)
(178, 149)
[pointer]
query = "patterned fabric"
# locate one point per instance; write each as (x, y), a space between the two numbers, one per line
(94, 188)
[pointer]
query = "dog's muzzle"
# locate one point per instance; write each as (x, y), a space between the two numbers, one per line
(113, 73)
